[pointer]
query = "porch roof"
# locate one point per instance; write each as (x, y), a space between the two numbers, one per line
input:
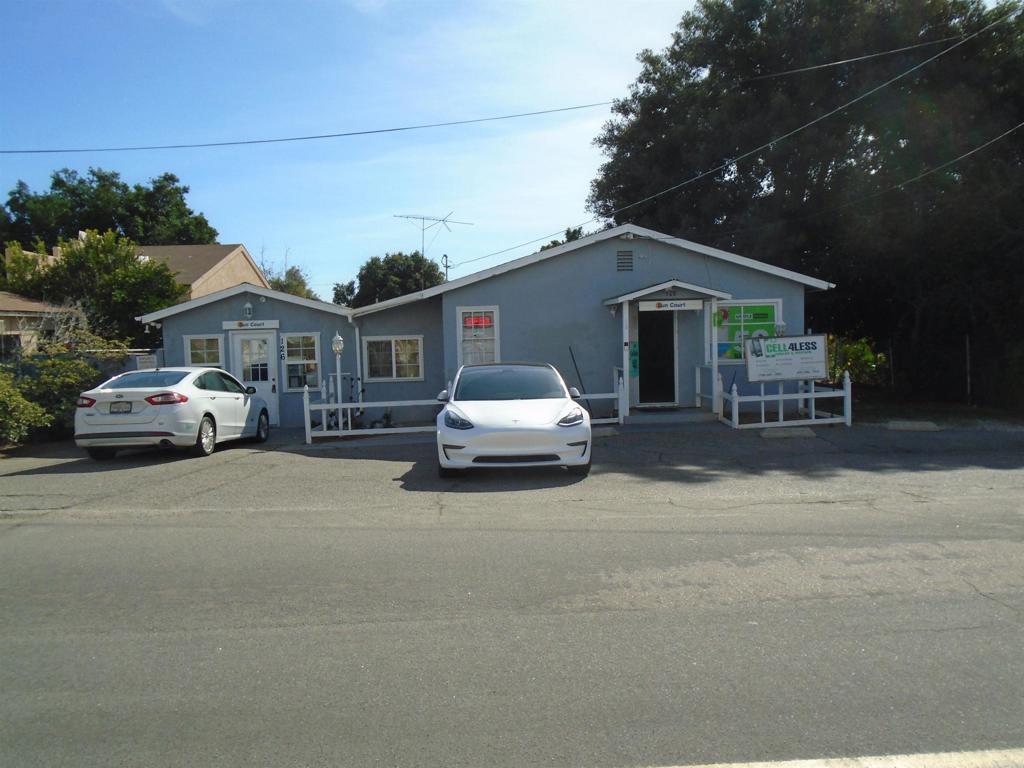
(700, 289)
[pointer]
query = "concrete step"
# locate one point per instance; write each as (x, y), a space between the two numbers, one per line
(670, 416)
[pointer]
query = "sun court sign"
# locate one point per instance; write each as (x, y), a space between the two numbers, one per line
(787, 358)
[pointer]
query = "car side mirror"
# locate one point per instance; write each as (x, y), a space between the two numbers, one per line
(250, 390)
(442, 396)
(574, 393)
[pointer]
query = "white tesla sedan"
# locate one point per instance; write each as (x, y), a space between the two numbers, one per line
(184, 407)
(511, 415)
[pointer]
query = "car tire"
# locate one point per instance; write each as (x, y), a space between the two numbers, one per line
(262, 428)
(580, 470)
(206, 439)
(101, 454)
(446, 473)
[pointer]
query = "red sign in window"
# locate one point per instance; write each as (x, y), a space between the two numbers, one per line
(477, 321)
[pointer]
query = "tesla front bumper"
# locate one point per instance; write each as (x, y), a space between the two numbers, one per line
(526, 447)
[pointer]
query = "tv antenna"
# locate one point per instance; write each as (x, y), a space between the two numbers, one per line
(435, 221)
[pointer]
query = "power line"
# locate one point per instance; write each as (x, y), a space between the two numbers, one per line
(849, 61)
(872, 196)
(315, 137)
(766, 145)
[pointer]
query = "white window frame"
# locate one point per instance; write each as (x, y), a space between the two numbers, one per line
(712, 337)
(285, 361)
(459, 311)
(187, 339)
(393, 378)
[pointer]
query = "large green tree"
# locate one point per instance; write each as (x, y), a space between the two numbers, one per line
(396, 274)
(104, 277)
(150, 214)
(918, 266)
(293, 280)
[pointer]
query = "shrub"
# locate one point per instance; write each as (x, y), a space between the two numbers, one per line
(866, 366)
(17, 415)
(54, 383)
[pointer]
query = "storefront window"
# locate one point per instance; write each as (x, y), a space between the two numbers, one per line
(302, 360)
(735, 322)
(393, 358)
(478, 335)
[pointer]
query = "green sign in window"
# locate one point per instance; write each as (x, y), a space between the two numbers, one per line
(735, 323)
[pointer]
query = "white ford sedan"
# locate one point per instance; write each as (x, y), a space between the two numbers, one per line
(183, 407)
(511, 415)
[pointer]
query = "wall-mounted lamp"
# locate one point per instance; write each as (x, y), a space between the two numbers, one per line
(247, 310)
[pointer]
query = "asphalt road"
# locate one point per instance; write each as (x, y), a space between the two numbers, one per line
(704, 596)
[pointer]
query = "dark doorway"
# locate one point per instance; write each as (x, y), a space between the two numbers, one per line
(656, 334)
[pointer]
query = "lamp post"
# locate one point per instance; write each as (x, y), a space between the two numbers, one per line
(337, 347)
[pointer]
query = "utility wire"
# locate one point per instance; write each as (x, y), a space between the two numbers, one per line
(314, 137)
(873, 195)
(848, 61)
(766, 145)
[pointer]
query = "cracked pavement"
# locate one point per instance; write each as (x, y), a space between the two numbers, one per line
(704, 596)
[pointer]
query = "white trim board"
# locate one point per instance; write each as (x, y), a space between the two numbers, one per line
(624, 231)
(235, 290)
(665, 286)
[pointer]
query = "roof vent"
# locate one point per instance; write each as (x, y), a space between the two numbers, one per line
(624, 261)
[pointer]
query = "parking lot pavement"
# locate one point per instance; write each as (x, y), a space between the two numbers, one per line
(704, 596)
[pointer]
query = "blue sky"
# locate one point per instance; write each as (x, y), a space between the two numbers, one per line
(116, 72)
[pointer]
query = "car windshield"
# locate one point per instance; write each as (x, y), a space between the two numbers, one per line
(509, 382)
(146, 380)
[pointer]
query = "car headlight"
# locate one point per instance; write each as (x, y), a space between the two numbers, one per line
(572, 418)
(455, 421)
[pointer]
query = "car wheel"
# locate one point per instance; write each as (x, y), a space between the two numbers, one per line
(206, 440)
(580, 470)
(101, 454)
(262, 428)
(447, 472)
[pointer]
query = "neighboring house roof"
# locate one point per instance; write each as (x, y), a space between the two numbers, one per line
(257, 290)
(13, 304)
(190, 262)
(629, 231)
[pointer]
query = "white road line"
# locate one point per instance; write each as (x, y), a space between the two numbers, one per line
(990, 758)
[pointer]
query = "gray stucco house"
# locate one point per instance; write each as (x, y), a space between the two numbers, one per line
(661, 312)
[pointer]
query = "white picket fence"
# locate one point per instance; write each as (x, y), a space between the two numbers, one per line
(807, 396)
(343, 414)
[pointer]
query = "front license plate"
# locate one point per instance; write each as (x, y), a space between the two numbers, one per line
(120, 407)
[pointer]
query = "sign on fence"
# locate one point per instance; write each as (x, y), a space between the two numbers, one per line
(787, 358)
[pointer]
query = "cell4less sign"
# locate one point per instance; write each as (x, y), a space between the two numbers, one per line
(787, 358)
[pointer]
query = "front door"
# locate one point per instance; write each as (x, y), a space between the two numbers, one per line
(255, 365)
(656, 334)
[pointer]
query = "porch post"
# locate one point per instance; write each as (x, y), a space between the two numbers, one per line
(624, 309)
(712, 347)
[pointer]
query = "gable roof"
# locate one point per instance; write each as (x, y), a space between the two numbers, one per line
(627, 231)
(234, 290)
(665, 286)
(191, 262)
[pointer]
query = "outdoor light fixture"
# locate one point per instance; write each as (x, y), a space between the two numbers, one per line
(337, 344)
(247, 310)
